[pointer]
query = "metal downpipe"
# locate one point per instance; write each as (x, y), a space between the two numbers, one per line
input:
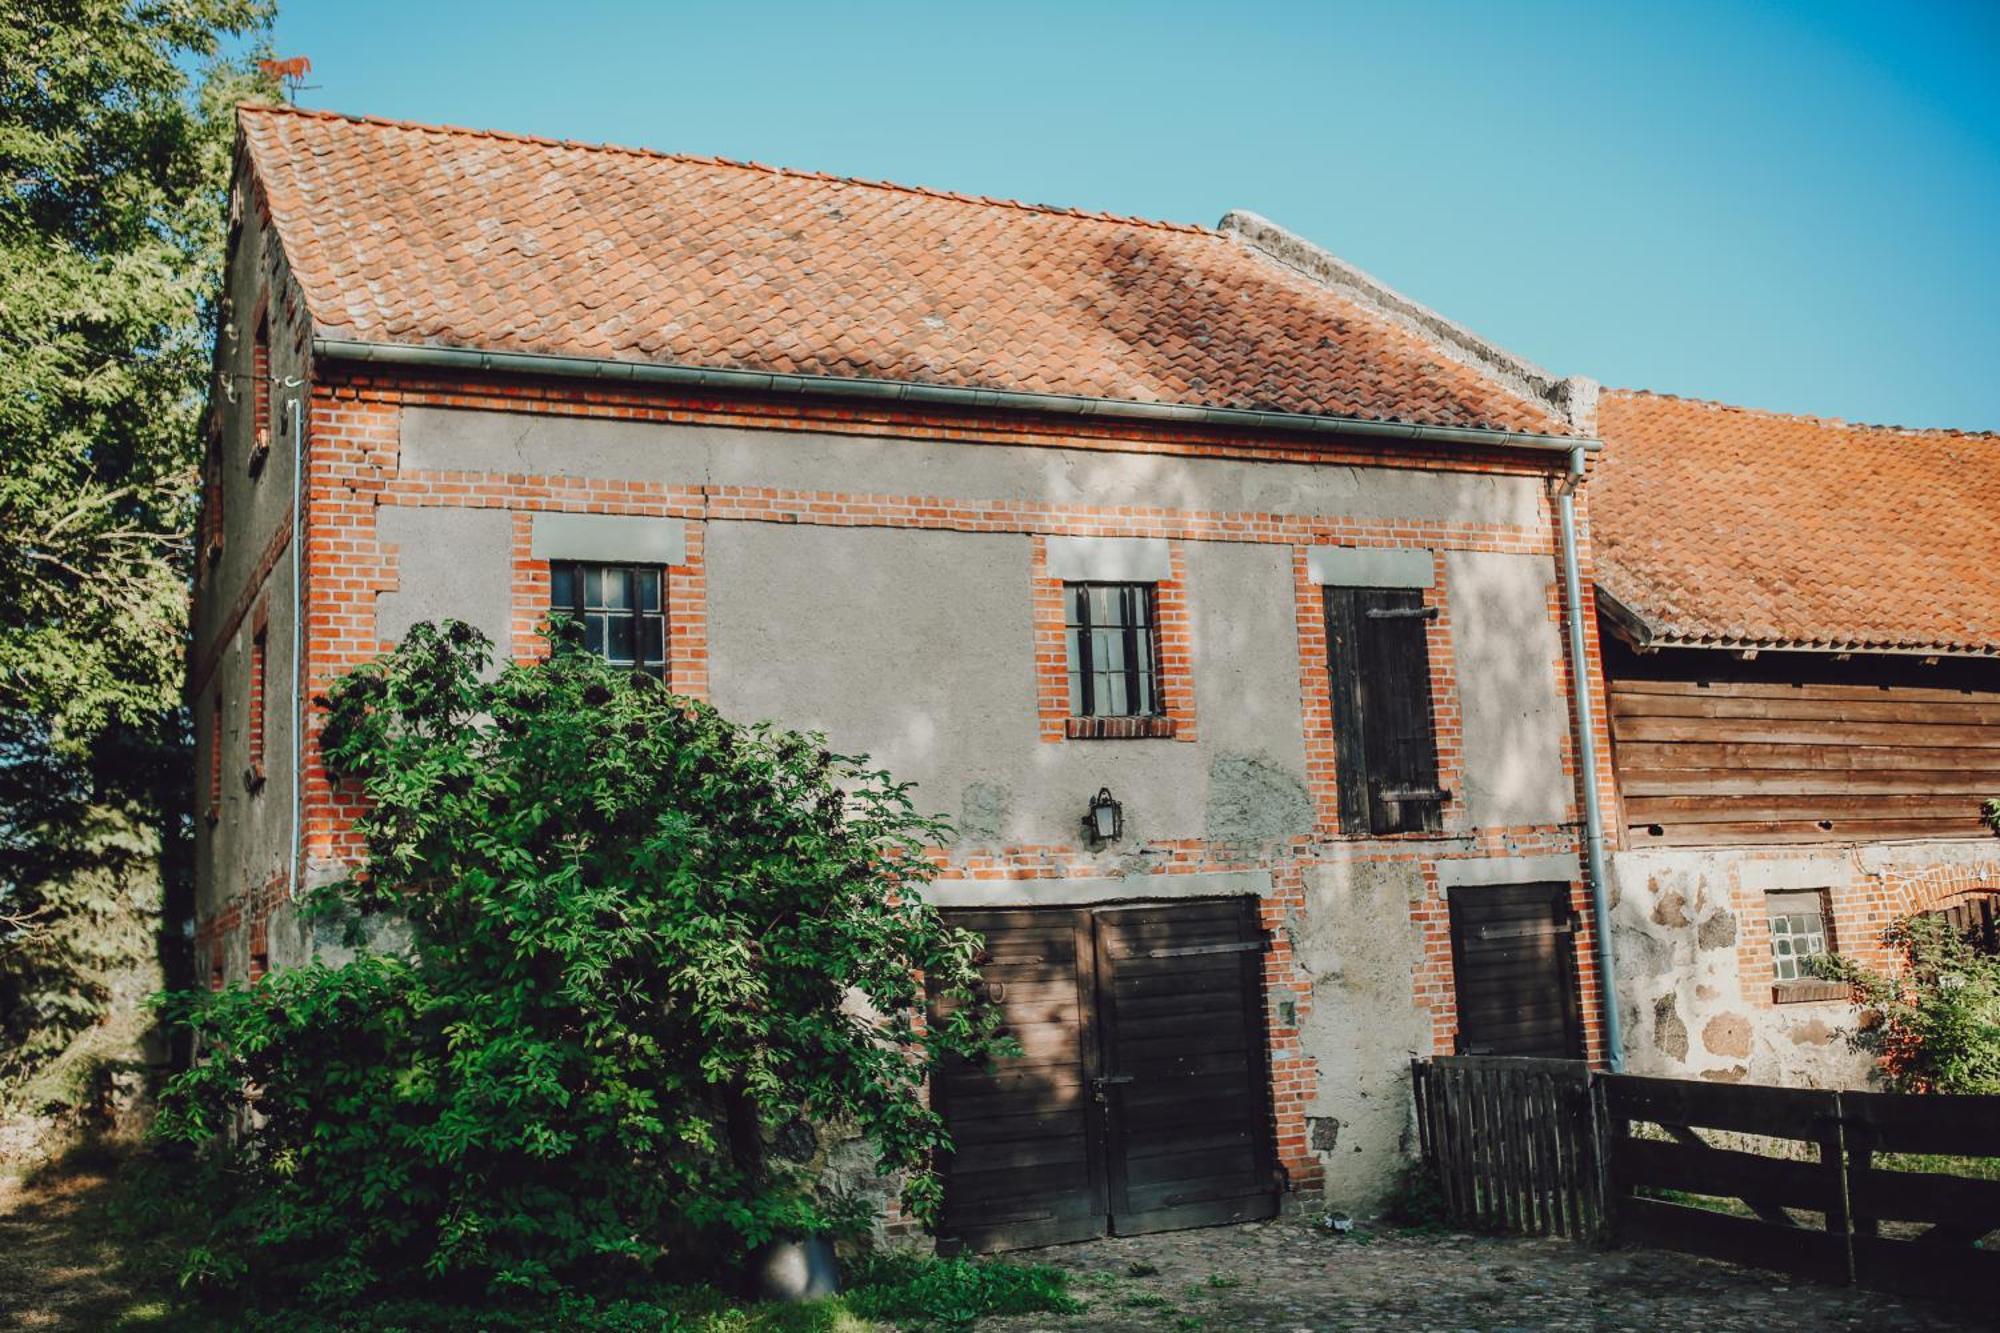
(298, 636)
(1593, 813)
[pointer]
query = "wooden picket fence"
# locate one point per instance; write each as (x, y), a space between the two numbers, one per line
(1793, 1179)
(1511, 1143)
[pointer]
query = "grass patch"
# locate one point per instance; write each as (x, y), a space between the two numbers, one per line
(1976, 1168)
(953, 1293)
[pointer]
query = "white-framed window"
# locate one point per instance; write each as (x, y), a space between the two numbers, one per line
(1798, 932)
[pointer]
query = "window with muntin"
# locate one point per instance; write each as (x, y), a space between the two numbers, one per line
(621, 609)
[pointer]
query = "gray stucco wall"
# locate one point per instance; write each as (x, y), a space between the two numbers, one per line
(247, 844)
(452, 564)
(937, 682)
(1358, 944)
(917, 647)
(1506, 649)
(443, 438)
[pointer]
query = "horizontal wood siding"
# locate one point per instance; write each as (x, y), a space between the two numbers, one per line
(1744, 761)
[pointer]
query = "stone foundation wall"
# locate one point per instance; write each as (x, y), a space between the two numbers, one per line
(1692, 944)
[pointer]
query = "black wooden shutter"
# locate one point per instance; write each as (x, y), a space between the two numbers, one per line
(1386, 747)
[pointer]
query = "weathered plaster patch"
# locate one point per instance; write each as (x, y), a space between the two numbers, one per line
(1669, 1033)
(1718, 931)
(983, 811)
(1252, 800)
(1671, 909)
(1727, 1034)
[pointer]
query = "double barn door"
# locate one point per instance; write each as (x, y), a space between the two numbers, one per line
(1140, 1099)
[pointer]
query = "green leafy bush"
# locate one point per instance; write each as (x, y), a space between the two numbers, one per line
(641, 935)
(1933, 1026)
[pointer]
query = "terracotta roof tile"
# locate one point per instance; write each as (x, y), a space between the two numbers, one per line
(1722, 526)
(462, 238)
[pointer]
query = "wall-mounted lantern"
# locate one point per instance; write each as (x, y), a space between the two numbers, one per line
(1106, 820)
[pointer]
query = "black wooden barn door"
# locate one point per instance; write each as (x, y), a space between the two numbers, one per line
(1140, 1101)
(1027, 1166)
(1514, 960)
(1186, 1085)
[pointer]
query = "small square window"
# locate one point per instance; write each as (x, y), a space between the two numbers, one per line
(618, 608)
(1799, 933)
(1111, 631)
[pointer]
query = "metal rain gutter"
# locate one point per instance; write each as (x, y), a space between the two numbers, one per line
(1593, 813)
(932, 395)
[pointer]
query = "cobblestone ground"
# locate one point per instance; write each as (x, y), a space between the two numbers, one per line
(1286, 1275)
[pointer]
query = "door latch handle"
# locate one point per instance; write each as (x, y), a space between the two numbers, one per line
(1101, 1085)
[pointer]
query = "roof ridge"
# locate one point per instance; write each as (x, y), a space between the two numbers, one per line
(701, 159)
(1573, 399)
(1810, 418)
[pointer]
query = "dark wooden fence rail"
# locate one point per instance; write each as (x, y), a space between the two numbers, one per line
(1821, 1218)
(1955, 1210)
(1686, 1163)
(1510, 1142)
(1543, 1147)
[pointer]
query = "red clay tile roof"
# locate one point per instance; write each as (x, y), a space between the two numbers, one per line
(423, 235)
(1724, 527)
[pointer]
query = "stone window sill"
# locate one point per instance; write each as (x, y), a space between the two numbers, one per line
(1118, 728)
(1807, 992)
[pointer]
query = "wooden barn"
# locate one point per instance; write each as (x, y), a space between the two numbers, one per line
(1801, 666)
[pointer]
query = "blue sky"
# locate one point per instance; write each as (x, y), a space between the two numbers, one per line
(1786, 206)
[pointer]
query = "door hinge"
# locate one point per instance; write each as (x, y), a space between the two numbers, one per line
(1411, 794)
(1523, 928)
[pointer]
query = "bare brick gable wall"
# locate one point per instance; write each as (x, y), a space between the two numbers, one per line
(357, 475)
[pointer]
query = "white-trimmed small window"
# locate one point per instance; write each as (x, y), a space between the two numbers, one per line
(1800, 933)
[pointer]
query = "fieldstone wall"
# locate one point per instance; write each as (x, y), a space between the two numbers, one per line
(1692, 943)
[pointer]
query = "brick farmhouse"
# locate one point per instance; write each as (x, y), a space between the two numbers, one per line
(1045, 510)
